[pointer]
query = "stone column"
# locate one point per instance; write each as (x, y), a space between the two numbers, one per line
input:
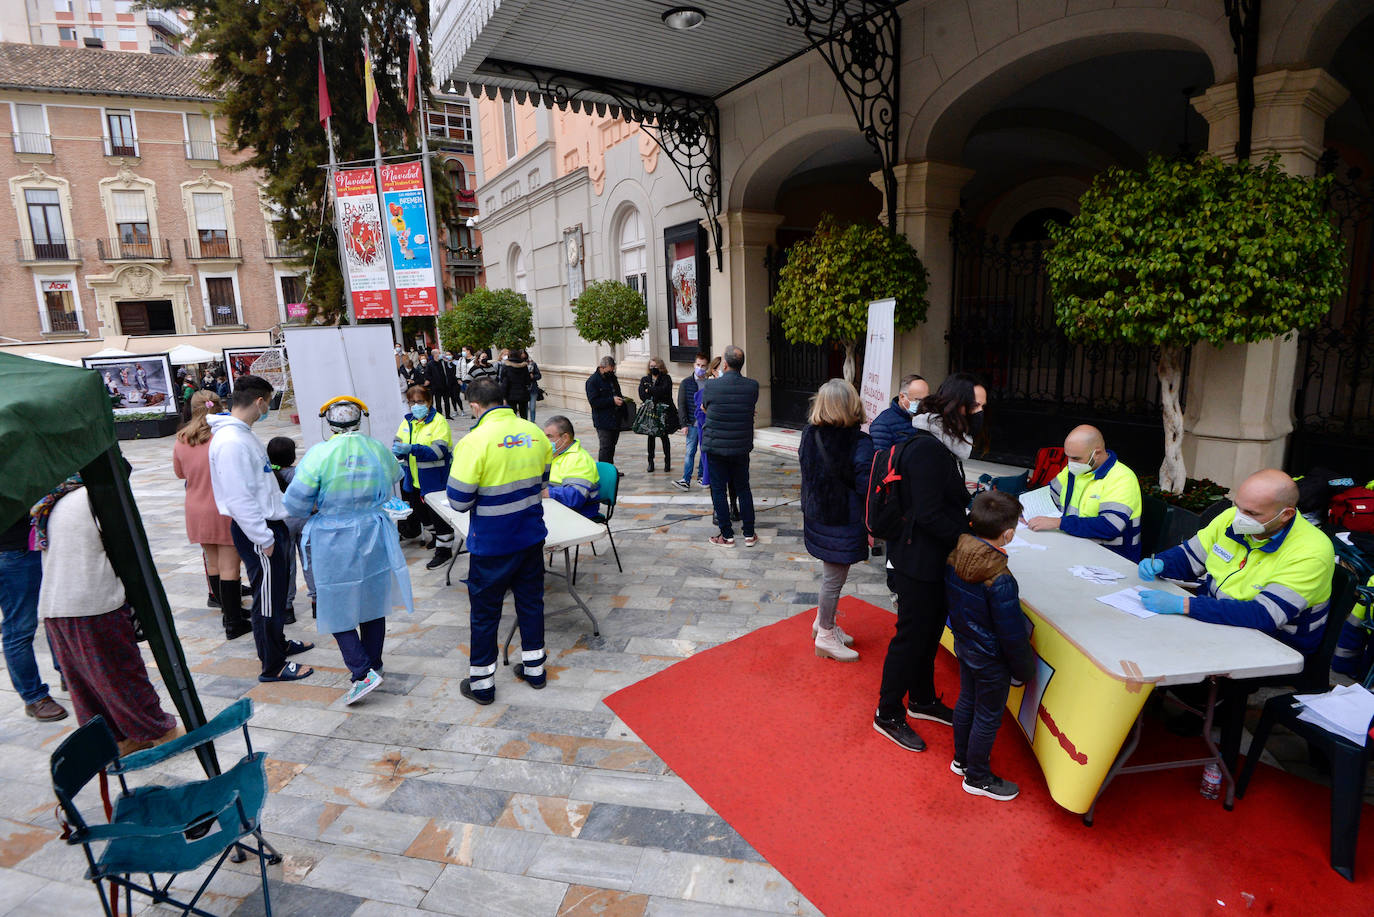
(927, 196)
(739, 297)
(1240, 396)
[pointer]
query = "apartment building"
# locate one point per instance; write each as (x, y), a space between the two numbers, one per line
(114, 24)
(126, 216)
(452, 135)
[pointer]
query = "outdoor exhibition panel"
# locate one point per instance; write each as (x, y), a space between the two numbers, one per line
(1097, 665)
(567, 530)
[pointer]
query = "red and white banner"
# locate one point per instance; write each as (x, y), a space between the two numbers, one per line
(363, 239)
(412, 254)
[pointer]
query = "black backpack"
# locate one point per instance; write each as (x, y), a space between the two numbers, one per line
(883, 515)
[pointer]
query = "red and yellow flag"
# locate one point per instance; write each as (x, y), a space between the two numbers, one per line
(369, 84)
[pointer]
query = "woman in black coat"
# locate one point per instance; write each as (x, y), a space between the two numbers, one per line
(935, 501)
(516, 377)
(656, 387)
(836, 457)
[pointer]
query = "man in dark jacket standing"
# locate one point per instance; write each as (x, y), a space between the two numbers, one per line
(728, 437)
(436, 380)
(603, 394)
(894, 425)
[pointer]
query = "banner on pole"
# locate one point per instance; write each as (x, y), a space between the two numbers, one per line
(878, 357)
(412, 262)
(360, 217)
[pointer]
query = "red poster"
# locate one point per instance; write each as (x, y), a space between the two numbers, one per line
(362, 239)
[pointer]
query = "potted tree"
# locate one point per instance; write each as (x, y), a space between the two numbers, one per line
(1188, 251)
(488, 318)
(609, 312)
(829, 280)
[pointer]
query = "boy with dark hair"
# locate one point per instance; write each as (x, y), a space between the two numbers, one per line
(991, 639)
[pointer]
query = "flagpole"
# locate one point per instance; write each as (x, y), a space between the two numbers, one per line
(333, 195)
(433, 216)
(386, 248)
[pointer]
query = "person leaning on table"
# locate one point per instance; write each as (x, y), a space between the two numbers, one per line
(1260, 564)
(1099, 495)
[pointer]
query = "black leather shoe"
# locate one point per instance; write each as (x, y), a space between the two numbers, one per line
(900, 732)
(441, 557)
(465, 688)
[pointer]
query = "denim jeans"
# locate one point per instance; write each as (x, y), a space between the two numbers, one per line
(361, 647)
(983, 688)
(693, 438)
(733, 470)
(21, 574)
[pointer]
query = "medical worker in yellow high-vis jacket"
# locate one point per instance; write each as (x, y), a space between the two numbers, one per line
(424, 446)
(499, 472)
(1098, 495)
(1260, 564)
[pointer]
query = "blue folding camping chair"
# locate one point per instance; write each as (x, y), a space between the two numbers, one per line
(164, 830)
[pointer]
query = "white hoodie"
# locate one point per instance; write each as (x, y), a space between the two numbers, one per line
(245, 488)
(932, 424)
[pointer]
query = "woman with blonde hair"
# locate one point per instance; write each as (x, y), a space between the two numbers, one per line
(204, 525)
(835, 458)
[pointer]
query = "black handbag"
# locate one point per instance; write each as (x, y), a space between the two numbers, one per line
(671, 420)
(626, 414)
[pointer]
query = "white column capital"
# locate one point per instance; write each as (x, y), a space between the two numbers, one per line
(1291, 108)
(750, 227)
(926, 188)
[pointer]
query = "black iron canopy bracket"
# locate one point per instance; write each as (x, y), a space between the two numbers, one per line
(1244, 19)
(860, 40)
(685, 126)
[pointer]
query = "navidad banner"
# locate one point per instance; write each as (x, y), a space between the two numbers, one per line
(403, 196)
(361, 220)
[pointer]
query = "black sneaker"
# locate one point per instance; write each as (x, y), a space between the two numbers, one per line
(935, 711)
(899, 731)
(993, 787)
(441, 557)
(956, 767)
(681, 485)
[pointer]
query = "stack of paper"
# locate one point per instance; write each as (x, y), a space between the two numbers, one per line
(1095, 574)
(1038, 503)
(1345, 711)
(1128, 600)
(1020, 544)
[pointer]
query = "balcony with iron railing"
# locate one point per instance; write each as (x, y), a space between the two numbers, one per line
(166, 23)
(158, 46)
(281, 250)
(63, 322)
(224, 314)
(214, 249)
(119, 147)
(134, 249)
(31, 252)
(462, 256)
(207, 150)
(28, 142)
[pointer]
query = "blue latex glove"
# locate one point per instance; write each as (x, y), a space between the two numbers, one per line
(1164, 603)
(1150, 567)
(400, 449)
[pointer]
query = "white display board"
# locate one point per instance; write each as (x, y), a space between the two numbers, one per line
(360, 360)
(873, 388)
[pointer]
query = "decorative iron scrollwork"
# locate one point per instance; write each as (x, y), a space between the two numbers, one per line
(685, 126)
(860, 40)
(1244, 19)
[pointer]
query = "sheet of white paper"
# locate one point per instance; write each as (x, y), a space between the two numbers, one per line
(1128, 600)
(1345, 536)
(1038, 503)
(1345, 710)
(1020, 544)
(1095, 574)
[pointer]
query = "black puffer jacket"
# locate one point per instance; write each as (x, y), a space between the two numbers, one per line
(517, 382)
(985, 609)
(729, 402)
(602, 390)
(935, 503)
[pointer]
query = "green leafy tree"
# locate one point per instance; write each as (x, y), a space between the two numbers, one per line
(609, 312)
(263, 64)
(829, 280)
(488, 318)
(1191, 251)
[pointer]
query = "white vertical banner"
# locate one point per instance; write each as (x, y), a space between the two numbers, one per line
(878, 358)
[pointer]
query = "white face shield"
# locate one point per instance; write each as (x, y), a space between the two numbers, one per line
(343, 417)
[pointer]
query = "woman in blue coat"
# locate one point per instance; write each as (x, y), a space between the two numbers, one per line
(835, 460)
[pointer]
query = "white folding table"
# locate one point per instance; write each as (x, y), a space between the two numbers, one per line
(567, 530)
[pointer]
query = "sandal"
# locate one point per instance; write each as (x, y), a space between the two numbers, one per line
(292, 671)
(296, 647)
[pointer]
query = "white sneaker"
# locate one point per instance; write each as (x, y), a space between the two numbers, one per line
(845, 638)
(361, 689)
(828, 643)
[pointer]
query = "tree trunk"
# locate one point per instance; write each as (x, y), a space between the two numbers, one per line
(849, 362)
(1172, 473)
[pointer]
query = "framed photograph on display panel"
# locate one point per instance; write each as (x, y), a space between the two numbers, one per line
(688, 284)
(238, 361)
(137, 384)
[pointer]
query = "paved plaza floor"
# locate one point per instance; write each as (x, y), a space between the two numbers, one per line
(416, 801)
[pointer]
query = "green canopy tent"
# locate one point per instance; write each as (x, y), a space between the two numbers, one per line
(40, 447)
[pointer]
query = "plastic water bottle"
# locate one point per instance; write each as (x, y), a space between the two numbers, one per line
(1211, 782)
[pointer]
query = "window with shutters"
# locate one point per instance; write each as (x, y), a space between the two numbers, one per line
(219, 299)
(133, 237)
(508, 115)
(66, 33)
(31, 129)
(200, 138)
(60, 313)
(45, 224)
(634, 254)
(450, 121)
(212, 226)
(119, 133)
(519, 281)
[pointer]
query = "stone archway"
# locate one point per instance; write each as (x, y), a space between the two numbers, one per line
(141, 283)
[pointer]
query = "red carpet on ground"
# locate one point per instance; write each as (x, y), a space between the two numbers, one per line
(781, 745)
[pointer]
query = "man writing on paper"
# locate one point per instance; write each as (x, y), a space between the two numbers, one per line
(1260, 564)
(1098, 494)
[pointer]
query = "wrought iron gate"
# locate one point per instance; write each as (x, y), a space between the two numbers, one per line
(1334, 397)
(797, 369)
(1040, 385)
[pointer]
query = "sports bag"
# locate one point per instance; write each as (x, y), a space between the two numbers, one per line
(1352, 510)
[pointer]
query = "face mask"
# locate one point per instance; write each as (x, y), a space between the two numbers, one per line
(912, 406)
(423, 361)
(1249, 525)
(1077, 468)
(419, 411)
(975, 425)
(700, 372)
(653, 370)
(266, 409)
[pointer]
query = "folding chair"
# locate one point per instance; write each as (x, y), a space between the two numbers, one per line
(610, 489)
(164, 829)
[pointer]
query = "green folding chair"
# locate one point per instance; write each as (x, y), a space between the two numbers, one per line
(610, 489)
(164, 830)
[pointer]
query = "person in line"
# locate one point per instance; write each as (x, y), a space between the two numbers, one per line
(518, 385)
(656, 387)
(281, 452)
(206, 526)
(606, 399)
(687, 411)
(934, 500)
(350, 542)
(1098, 494)
(573, 478)
(893, 425)
(89, 624)
(730, 403)
(1259, 564)
(464, 365)
(187, 386)
(21, 578)
(481, 367)
(500, 470)
(424, 446)
(223, 388)
(535, 391)
(246, 491)
(455, 386)
(991, 639)
(835, 457)
(436, 380)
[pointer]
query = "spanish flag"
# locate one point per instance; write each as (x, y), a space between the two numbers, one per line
(369, 84)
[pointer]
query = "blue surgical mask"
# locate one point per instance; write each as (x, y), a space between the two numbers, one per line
(700, 372)
(419, 412)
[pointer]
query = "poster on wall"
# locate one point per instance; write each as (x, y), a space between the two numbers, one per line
(362, 238)
(877, 375)
(412, 260)
(688, 277)
(241, 361)
(139, 384)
